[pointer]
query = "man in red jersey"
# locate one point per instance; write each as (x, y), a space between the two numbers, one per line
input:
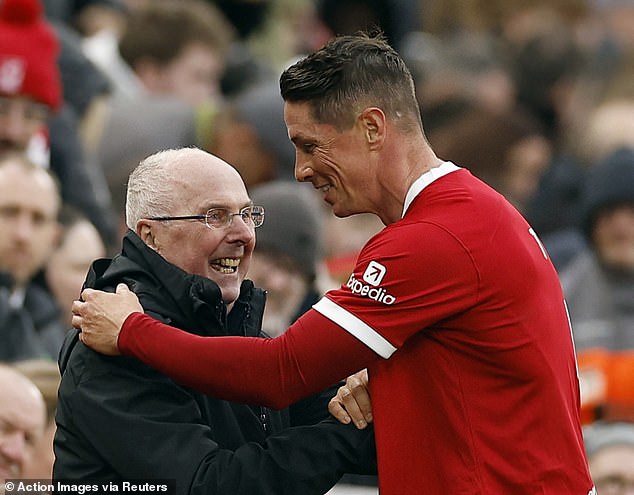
(454, 307)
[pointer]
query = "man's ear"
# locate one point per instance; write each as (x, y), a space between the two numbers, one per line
(145, 231)
(374, 125)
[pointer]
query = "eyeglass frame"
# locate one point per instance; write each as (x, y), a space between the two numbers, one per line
(242, 213)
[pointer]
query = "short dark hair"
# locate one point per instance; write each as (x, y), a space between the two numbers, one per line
(161, 30)
(350, 73)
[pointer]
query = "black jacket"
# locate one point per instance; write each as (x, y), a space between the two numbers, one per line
(119, 419)
(32, 330)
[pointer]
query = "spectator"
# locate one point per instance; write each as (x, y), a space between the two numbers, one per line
(249, 133)
(45, 375)
(610, 449)
(599, 289)
(22, 414)
(33, 116)
(78, 246)
(177, 48)
(29, 317)
(289, 253)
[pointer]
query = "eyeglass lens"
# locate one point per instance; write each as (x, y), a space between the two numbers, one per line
(221, 217)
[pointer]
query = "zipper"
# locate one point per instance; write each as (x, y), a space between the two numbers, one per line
(263, 418)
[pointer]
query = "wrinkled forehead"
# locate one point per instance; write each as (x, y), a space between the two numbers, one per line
(210, 183)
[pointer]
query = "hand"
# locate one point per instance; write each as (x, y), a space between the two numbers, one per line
(352, 401)
(100, 316)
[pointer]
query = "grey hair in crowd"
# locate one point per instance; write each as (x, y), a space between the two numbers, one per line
(150, 190)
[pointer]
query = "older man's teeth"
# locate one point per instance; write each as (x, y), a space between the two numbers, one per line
(227, 265)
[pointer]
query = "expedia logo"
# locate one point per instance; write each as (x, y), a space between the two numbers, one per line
(373, 275)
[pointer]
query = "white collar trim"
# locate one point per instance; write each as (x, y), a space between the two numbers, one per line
(424, 180)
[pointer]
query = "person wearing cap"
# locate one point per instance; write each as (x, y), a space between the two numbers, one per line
(610, 447)
(30, 83)
(34, 117)
(599, 288)
(288, 253)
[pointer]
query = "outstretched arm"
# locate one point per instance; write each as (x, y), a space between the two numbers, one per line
(311, 355)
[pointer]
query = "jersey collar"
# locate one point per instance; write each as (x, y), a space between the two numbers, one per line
(424, 180)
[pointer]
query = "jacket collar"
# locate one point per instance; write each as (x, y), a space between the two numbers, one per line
(190, 302)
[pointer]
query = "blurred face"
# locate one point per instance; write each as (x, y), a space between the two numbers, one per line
(286, 287)
(22, 417)
(20, 119)
(335, 162)
(612, 470)
(67, 266)
(28, 227)
(613, 236)
(220, 254)
(526, 162)
(239, 144)
(193, 77)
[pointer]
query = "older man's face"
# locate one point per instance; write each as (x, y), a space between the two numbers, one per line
(220, 254)
(22, 418)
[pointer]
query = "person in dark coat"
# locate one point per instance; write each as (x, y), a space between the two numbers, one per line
(30, 325)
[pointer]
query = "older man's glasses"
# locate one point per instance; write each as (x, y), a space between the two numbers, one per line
(218, 218)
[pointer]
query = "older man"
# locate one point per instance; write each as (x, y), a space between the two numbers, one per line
(22, 421)
(192, 234)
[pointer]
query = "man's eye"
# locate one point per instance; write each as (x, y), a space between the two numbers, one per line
(308, 148)
(217, 216)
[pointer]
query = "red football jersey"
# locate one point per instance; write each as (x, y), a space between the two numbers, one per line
(480, 392)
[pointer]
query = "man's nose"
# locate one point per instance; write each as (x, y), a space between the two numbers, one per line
(303, 171)
(241, 229)
(24, 227)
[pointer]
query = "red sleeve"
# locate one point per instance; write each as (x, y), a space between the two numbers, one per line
(311, 355)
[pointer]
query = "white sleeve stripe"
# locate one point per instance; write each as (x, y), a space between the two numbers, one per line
(355, 327)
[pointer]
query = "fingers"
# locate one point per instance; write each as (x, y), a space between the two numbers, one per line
(349, 402)
(122, 288)
(338, 411)
(356, 398)
(76, 321)
(76, 309)
(352, 401)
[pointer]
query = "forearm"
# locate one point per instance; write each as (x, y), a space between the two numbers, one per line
(313, 354)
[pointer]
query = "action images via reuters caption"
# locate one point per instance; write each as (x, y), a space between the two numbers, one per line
(15, 487)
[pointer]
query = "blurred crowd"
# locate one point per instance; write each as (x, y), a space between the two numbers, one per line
(535, 97)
